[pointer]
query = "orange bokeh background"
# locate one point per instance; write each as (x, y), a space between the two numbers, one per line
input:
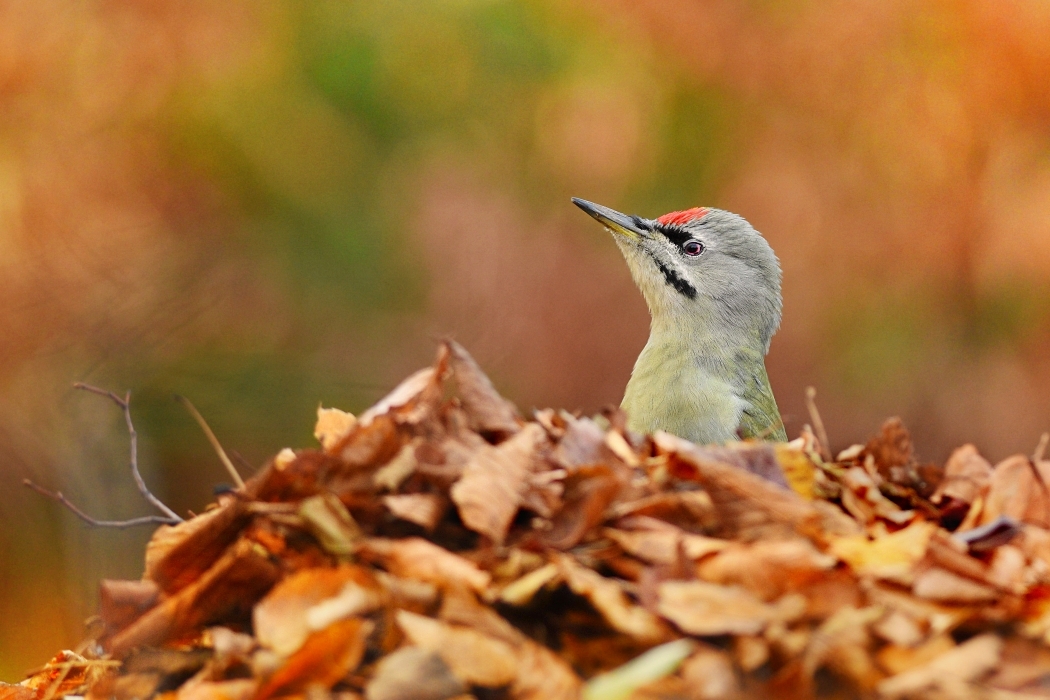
(265, 205)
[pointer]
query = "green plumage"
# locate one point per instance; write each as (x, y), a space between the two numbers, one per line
(712, 284)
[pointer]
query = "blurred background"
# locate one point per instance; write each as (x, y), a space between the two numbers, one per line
(266, 204)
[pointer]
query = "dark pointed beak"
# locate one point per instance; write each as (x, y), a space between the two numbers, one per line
(630, 226)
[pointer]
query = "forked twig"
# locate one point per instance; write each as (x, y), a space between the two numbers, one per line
(818, 423)
(94, 522)
(237, 480)
(169, 516)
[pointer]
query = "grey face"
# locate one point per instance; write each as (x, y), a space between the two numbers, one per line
(705, 266)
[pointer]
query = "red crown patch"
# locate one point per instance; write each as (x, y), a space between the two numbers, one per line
(683, 217)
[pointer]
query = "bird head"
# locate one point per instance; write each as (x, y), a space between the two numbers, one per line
(700, 270)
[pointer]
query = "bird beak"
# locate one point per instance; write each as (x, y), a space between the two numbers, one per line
(613, 220)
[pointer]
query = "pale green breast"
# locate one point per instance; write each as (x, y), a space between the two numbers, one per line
(669, 390)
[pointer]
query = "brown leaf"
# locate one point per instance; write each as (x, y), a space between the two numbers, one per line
(416, 558)
(411, 673)
(588, 493)
(309, 601)
(474, 658)
(489, 492)
(229, 588)
(965, 663)
(608, 598)
(709, 675)
(236, 689)
(122, 602)
(405, 395)
(489, 412)
(324, 658)
(583, 443)
(423, 509)
(332, 427)
(935, 583)
(543, 675)
(178, 555)
(758, 458)
(749, 505)
(1018, 489)
(708, 609)
(665, 545)
(767, 569)
(966, 474)
(893, 557)
(892, 447)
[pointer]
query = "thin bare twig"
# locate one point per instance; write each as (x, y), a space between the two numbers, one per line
(169, 517)
(125, 406)
(237, 480)
(818, 424)
(94, 522)
(1040, 449)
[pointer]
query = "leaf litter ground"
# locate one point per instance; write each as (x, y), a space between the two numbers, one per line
(440, 546)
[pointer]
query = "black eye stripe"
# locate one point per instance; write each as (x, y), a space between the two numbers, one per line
(676, 235)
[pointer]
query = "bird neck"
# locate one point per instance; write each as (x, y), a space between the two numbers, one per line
(702, 343)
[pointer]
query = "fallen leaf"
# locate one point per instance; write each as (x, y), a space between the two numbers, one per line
(423, 509)
(1018, 489)
(489, 492)
(967, 662)
(893, 557)
(474, 658)
(411, 673)
(608, 598)
(293, 610)
(332, 427)
(416, 558)
(966, 474)
(708, 609)
(324, 658)
(489, 412)
(543, 675)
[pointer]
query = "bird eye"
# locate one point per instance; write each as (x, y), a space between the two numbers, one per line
(692, 247)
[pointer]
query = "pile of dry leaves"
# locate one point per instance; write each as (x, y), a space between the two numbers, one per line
(440, 546)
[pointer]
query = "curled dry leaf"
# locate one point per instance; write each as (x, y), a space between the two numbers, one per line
(310, 600)
(333, 425)
(965, 663)
(412, 673)
(489, 412)
(966, 474)
(543, 675)
(230, 587)
(767, 569)
(490, 491)
(666, 545)
(608, 598)
(474, 658)
(324, 658)
(892, 557)
(1018, 489)
(423, 509)
(708, 609)
(419, 559)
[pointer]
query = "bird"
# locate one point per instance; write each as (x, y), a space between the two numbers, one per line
(712, 285)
